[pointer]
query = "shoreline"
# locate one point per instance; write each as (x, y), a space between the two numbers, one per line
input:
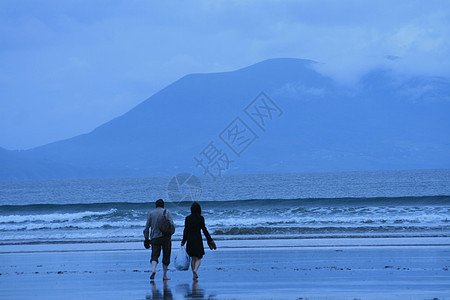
(237, 244)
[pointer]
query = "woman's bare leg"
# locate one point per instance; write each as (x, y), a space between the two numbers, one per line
(192, 263)
(196, 266)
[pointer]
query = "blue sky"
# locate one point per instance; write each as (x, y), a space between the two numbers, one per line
(67, 67)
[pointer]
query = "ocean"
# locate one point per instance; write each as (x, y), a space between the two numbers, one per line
(413, 203)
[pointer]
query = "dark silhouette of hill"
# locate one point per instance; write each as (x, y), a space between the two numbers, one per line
(384, 122)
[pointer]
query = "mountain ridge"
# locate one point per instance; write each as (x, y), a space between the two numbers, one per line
(324, 126)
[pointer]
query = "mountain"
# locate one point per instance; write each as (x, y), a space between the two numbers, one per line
(385, 121)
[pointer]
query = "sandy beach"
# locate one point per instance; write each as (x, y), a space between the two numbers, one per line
(359, 268)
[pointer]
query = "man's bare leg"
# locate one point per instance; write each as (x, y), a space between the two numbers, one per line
(165, 272)
(154, 263)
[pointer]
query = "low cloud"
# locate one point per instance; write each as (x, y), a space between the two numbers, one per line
(94, 60)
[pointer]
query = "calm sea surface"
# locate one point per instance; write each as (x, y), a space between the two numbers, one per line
(333, 205)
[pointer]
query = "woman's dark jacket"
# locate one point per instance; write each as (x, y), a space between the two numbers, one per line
(192, 235)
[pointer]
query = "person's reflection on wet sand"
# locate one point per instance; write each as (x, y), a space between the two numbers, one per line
(196, 291)
(188, 293)
(156, 294)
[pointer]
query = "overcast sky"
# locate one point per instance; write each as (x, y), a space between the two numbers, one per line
(66, 67)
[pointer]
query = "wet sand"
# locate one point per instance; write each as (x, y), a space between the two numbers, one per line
(364, 269)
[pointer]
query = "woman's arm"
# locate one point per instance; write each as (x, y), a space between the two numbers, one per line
(211, 243)
(205, 231)
(184, 232)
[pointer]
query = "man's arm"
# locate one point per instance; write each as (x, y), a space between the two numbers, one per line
(169, 216)
(147, 226)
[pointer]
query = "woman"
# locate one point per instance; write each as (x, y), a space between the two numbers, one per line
(192, 226)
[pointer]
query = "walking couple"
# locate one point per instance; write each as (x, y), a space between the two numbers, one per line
(160, 237)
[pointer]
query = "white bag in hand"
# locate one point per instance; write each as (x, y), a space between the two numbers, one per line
(182, 260)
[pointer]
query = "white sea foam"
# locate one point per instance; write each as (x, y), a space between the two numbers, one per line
(54, 217)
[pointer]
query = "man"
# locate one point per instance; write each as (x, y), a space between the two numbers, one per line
(157, 239)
